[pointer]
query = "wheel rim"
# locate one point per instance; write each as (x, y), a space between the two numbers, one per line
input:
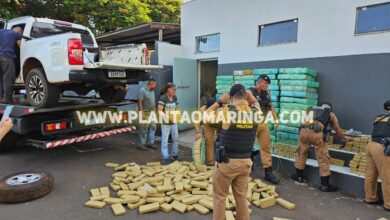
(23, 179)
(36, 89)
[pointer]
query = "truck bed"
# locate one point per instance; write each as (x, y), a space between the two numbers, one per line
(29, 123)
(22, 108)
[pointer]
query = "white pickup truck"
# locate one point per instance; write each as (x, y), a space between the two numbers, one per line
(57, 56)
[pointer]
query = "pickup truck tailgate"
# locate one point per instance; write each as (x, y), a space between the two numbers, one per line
(119, 66)
(129, 56)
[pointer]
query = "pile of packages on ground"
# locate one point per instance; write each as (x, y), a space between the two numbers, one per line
(180, 186)
(359, 164)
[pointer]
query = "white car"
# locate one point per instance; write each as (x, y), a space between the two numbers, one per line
(57, 56)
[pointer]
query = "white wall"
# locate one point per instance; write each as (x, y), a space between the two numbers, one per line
(326, 28)
(167, 51)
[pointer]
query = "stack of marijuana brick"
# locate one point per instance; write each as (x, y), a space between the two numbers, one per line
(180, 186)
(298, 92)
(224, 83)
(244, 77)
(332, 145)
(358, 164)
(358, 144)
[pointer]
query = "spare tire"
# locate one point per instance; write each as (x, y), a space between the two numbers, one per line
(25, 186)
(113, 94)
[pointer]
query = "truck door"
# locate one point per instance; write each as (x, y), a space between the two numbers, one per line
(3, 24)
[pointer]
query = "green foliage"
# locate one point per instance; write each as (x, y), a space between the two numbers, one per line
(9, 9)
(99, 15)
(164, 10)
(104, 15)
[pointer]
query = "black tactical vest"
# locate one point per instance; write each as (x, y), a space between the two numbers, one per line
(239, 138)
(381, 126)
(263, 98)
(322, 115)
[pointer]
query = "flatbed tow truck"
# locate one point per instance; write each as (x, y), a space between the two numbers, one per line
(49, 128)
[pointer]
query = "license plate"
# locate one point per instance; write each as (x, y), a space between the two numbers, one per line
(116, 74)
(93, 122)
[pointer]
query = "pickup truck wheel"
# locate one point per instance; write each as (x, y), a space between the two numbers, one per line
(112, 94)
(25, 186)
(41, 93)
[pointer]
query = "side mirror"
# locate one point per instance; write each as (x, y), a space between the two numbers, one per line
(3, 24)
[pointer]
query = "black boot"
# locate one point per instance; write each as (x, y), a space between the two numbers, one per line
(298, 176)
(325, 186)
(373, 203)
(269, 176)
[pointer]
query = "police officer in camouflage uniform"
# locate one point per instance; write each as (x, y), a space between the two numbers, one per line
(263, 96)
(316, 134)
(233, 161)
(378, 159)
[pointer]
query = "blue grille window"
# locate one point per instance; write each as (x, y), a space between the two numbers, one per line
(278, 33)
(207, 43)
(374, 18)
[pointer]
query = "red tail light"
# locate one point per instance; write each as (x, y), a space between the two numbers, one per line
(75, 52)
(124, 117)
(56, 126)
(146, 55)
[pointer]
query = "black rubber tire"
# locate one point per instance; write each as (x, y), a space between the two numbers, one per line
(51, 93)
(112, 94)
(26, 192)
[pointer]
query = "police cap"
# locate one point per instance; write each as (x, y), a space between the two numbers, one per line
(265, 78)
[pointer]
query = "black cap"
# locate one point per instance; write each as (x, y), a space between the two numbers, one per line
(237, 88)
(265, 78)
(387, 105)
(210, 102)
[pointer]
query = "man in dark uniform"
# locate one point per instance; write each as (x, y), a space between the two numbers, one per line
(315, 134)
(378, 159)
(8, 41)
(233, 164)
(263, 96)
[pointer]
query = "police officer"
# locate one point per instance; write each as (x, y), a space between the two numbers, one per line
(209, 131)
(378, 159)
(263, 96)
(316, 133)
(233, 164)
